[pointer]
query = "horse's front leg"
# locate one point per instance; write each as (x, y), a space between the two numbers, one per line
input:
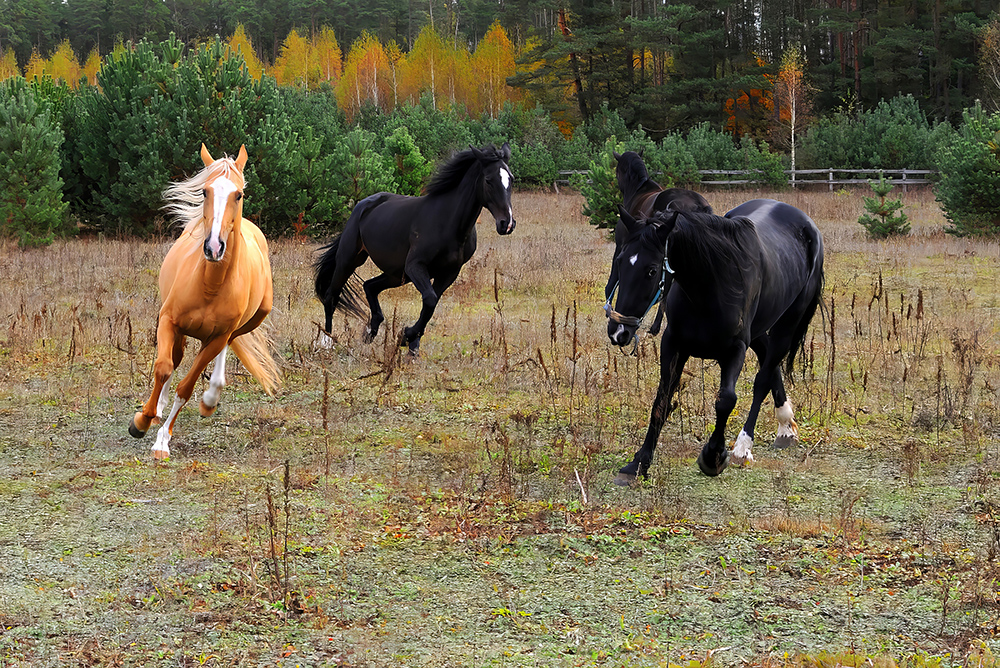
(418, 274)
(714, 455)
(671, 366)
(373, 288)
(169, 352)
(209, 350)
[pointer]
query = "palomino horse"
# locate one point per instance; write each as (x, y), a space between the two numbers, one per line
(641, 198)
(215, 283)
(424, 239)
(751, 279)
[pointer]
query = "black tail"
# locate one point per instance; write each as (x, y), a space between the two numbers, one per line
(817, 279)
(350, 298)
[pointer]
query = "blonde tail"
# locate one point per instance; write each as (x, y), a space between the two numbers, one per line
(253, 350)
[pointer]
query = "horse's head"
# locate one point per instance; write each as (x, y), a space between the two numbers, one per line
(222, 209)
(630, 171)
(643, 273)
(498, 184)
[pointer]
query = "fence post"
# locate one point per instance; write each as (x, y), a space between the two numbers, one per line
(830, 179)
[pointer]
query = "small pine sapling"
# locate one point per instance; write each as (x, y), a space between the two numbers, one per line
(883, 217)
(600, 187)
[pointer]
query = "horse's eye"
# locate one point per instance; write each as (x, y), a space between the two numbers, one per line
(239, 196)
(651, 272)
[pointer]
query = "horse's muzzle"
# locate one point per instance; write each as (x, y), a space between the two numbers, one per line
(211, 255)
(620, 335)
(505, 227)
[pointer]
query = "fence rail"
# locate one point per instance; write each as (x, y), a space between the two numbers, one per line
(829, 177)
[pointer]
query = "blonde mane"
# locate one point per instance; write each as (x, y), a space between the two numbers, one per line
(185, 201)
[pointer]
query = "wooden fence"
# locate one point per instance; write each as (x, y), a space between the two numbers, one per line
(801, 177)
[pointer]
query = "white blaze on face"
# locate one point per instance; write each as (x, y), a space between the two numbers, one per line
(632, 260)
(222, 188)
(506, 179)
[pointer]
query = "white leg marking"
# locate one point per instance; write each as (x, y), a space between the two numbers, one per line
(325, 341)
(161, 403)
(218, 381)
(161, 449)
(742, 450)
(786, 425)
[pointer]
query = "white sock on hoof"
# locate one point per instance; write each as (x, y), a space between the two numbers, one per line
(742, 453)
(786, 425)
(324, 341)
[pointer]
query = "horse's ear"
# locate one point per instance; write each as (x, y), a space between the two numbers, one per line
(206, 157)
(665, 223)
(241, 157)
(505, 152)
(629, 221)
(618, 156)
(641, 150)
(476, 152)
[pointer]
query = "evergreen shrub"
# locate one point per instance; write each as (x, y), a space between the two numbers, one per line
(32, 209)
(970, 176)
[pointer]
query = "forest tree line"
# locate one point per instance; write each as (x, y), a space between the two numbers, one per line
(664, 66)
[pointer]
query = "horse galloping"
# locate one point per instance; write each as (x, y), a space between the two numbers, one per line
(752, 279)
(642, 197)
(424, 240)
(215, 283)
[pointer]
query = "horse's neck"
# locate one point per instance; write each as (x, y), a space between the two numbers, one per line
(640, 194)
(706, 275)
(468, 202)
(217, 274)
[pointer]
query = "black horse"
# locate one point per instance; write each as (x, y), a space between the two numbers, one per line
(642, 197)
(424, 240)
(750, 279)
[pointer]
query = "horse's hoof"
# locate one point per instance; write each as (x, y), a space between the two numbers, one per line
(715, 469)
(134, 431)
(161, 455)
(784, 442)
(625, 479)
(133, 427)
(206, 410)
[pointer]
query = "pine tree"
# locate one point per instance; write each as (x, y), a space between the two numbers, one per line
(32, 209)
(883, 218)
(601, 190)
(410, 168)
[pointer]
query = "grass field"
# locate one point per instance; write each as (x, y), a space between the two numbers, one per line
(457, 510)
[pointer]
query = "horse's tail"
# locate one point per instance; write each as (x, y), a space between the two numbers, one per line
(325, 266)
(253, 349)
(815, 283)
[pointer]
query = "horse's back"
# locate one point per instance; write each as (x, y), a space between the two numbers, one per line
(791, 249)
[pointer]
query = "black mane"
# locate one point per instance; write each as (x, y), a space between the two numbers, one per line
(451, 173)
(723, 250)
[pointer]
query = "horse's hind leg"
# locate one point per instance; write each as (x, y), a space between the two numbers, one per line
(373, 287)
(169, 352)
(210, 397)
(769, 351)
(348, 256)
